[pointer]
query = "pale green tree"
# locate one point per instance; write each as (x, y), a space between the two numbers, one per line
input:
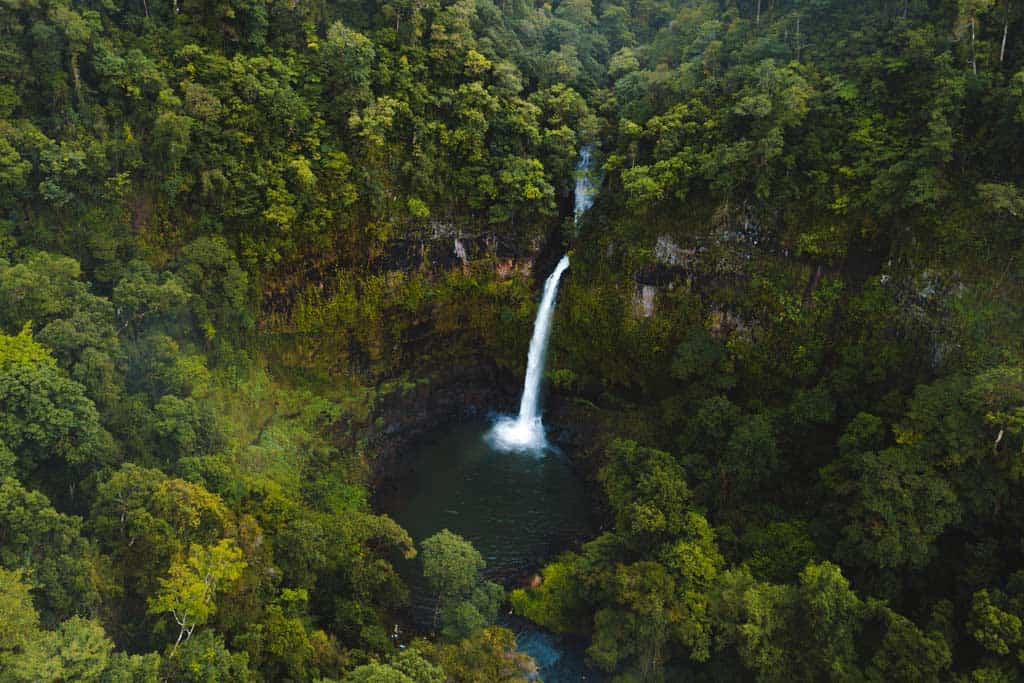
(188, 592)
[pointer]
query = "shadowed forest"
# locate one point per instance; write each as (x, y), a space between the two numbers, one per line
(250, 250)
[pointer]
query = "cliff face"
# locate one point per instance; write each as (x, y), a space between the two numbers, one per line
(435, 327)
(438, 324)
(405, 414)
(441, 245)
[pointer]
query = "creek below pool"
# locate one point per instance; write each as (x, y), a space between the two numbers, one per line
(518, 509)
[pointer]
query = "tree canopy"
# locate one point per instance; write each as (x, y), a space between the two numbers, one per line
(251, 249)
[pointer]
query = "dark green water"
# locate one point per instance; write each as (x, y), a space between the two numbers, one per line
(517, 509)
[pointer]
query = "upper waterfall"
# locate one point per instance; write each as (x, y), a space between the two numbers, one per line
(585, 191)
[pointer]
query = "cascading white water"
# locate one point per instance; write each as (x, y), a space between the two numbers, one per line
(526, 431)
(584, 187)
(539, 345)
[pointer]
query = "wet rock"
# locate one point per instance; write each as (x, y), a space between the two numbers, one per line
(668, 253)
(406, 413)
(643, 300)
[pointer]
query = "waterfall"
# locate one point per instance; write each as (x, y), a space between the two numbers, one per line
(584, 187)
(526, 431)
(539, 345)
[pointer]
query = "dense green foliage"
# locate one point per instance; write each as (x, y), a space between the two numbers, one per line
(210, 219)
(793, 326)
(232, 233)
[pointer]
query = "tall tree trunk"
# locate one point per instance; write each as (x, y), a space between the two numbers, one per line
(1006, 29)
(974, 53)
(181, 632)
(758, 12)
(798, 40)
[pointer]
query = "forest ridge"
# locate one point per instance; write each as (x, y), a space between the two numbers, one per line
(788, 350)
